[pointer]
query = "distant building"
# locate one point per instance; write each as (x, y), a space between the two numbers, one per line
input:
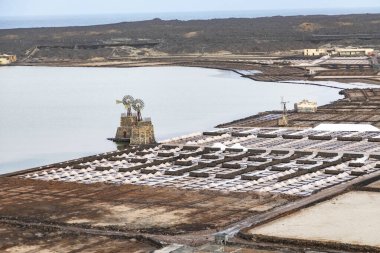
(353, 51)
(133, 128)
(7, 59)
(4, 61)
(315, 52)
(349, 51)
(305, 106)
(135, 131)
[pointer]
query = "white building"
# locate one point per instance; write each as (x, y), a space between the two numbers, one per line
(353, 51)
(306, 106)
(315, 52)
(7, 59)
(349, 51)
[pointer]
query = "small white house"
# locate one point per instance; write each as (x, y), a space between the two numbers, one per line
(315, 52)
(306, 106)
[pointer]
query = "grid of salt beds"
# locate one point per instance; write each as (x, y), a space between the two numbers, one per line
(267, 182)
(252, 141)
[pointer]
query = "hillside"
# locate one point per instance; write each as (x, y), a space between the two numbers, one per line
(156, 37)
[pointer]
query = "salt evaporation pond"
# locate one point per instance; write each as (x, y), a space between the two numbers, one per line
(51, 114)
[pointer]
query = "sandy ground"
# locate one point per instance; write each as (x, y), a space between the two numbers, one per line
(137, 217)
(351, 218)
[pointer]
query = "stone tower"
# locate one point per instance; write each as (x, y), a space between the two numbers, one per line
(135, 132)
(143, 133)
(124, 131)
(133, 128)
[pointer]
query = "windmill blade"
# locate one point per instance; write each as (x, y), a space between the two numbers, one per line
(119, 102)
(138, 104)
(128, 100)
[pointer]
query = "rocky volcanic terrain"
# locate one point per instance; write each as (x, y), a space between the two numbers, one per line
(158, 38)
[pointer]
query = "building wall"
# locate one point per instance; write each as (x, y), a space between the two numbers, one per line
(7, 59)
(13, 58)
(125, 128)
(315, 52)
(138, 132)
(306, 106)
(143, 133)
(339, 51)
(4, 61)
(353, 51)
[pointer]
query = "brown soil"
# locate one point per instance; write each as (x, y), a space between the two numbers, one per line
(127, 207)
(17, 239)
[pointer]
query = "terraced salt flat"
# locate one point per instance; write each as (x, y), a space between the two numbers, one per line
(229, 160)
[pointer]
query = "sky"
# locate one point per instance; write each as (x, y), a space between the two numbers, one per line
(95, 7)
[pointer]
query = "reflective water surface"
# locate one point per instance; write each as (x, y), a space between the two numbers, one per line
(51, 114)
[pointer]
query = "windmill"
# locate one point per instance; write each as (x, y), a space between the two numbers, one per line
(283, 121)
(132, 128)
(138, 106)
(284, 110)
(127, 101)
